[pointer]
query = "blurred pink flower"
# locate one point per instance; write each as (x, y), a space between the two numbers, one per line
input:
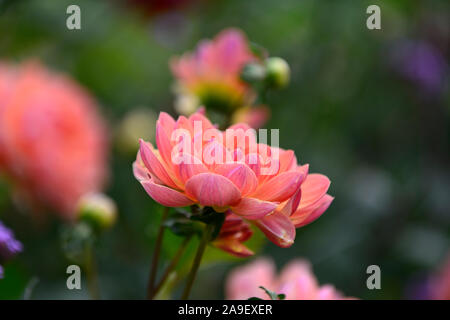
(52, 140)
(212, 72)
(439, 285)
(257, 182)
(255, 117)
(296, 281)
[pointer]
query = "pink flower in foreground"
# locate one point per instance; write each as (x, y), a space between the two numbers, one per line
(229, 170)
(52, 140)
(212, 72)
(209, 171)
(296, 281)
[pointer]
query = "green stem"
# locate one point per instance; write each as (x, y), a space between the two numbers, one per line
(156, 252)
(171, 266)
(91, 272)
(228, 120)
(198, 258)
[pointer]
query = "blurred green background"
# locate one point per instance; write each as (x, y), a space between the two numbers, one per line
(368, 108)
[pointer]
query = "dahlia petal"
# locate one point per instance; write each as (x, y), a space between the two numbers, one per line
(153, 164)
(244, 126)
(253, 161)
(166, 121)
(252, 209)
(292, 204)
(233, 247)
(305, 216)
(199, 116)
(314, 188)
(201, 110)
(279, 188)
(166, 196)
(304, 169)
(241, 136)
(215, 154)
(140, 172)
(278, 228)
(240, 174)
(184, 123)
(163, 143)
(288, 161)
(212, 189)
(189, 166)
(270, 162)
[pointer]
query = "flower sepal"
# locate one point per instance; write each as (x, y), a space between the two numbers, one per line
(180, 224)
(272, 295)
(184, 223)
(211, 217)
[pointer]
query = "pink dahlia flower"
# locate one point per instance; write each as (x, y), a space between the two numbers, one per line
(52, 140)
(195, 163)
(212, 72)
(296, 281)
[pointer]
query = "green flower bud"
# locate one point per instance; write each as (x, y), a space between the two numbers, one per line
(135, 125)
(97, 209)
(277, 72)
(253, 72)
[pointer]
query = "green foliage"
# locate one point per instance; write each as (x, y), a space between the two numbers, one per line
(272, 295)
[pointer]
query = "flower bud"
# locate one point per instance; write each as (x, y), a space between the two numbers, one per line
(97, 209)
(253, 72)
(277, 72)
(186, 104)
(135, 125)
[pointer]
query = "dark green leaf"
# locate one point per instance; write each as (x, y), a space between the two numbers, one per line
(210, 216)
(182, 226)
(271, 294)
(258, 50)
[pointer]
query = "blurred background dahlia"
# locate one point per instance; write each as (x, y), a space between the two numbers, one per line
(53, 141)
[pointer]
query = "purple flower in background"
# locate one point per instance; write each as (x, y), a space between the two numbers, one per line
(434, 286)
(9, 246)
(421, 63)
(418, 288)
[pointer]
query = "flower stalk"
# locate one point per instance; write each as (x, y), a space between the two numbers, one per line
(91, 272)
(171, 266)
(156, 253)
(198, 258)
